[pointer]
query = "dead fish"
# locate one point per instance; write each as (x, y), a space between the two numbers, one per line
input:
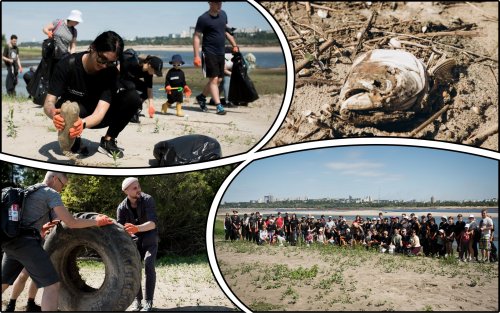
(70, 112)
(384, 81)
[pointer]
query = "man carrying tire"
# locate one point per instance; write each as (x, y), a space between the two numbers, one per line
(26, 250)
(137, 213)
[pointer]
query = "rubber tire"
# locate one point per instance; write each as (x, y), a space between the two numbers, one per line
(118, 253)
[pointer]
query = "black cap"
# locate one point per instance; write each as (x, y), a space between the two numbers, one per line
(157, 65)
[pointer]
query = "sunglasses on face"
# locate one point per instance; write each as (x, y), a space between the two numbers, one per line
(102, 60)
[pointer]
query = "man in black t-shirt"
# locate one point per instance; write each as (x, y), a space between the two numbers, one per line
(212, 26)
(11, 59)
(90, 79)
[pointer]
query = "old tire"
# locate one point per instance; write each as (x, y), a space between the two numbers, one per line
(117, 251)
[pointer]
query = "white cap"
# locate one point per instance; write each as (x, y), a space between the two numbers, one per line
(127, 182)
(467, 225)
(75, 15)
(471, 215)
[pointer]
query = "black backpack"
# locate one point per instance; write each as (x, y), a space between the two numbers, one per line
(13, 200)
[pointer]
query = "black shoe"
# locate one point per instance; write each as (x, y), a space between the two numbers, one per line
(202, 101)
(33, 307)
(11, 307)
(79, 148)
(148, 306)
(110, 148)
(135, 118)
(220, 110)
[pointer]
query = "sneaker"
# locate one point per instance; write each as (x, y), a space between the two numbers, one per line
(109, 148)
(148, 306)
(33, 307)
(135, 118)
(136, 305)
(11, 307)
(220, 110)
(202, 101)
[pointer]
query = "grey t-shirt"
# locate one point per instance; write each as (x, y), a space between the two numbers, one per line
(63, 37)
(38, 206)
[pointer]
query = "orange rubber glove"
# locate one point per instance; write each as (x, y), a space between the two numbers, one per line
(50, 34)
(236, 49)
(168, 89)
(77, 129)
(151, 111)
(48, 226)
(197, 62)
(131, 228)
(20, 69)
(103, 220)
(187, 91)
(58, 120)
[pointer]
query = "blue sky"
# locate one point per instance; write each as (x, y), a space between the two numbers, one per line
(129, 19)
(394, 172)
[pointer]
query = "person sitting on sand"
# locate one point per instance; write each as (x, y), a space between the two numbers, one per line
(309, 237)
(263, 235)
(397, 241)
(414, 245)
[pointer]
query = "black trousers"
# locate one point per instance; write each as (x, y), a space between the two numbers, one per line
(123, 106)
(11, 79)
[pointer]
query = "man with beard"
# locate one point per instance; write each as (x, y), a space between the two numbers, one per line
(137, 213)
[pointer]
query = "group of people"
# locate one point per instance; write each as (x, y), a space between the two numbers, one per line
(24, 255)
(407, 234)
(110, 89)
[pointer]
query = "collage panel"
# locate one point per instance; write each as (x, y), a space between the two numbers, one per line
(424, 70)
(179, 87)
(365, 226)
(101, 236)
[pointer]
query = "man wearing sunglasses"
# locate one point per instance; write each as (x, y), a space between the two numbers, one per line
(89, 78)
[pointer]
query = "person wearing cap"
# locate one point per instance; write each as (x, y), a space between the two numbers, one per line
(474, 240)
(26, 250)
(211, 32)
(175, 86)
(90, 79)
(64, 33)
(463, 241)
(136, 74)
(137, 214)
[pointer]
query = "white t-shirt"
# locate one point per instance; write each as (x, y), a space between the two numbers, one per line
(485, 222)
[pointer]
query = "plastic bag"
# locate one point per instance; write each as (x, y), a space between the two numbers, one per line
(186, 150)
(241, 87)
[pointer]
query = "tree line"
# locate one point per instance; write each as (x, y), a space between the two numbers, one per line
(182, 200)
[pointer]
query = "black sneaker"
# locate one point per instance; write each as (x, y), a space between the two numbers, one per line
(202, 101)
(33, 307)
(110, 148)
(135, 118)
(148, 306)
(79, 148)
(11, 307)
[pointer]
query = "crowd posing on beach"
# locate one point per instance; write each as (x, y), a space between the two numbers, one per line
(406, 234)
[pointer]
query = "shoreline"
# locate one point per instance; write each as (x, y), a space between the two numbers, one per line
(185, 48)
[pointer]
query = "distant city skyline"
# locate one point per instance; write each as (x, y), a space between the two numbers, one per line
(129, 19)
(385, 172)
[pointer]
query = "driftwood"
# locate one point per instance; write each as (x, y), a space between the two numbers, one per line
(327, 44)
(482, 137)
(366, 29)
(430, 120)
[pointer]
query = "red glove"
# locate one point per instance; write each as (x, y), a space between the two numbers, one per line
(131, 228)
(187, 91)
(151, 111)
(48, 226)
(103, 220)
(197, 62)
(168, 89)
(50, 34)
(77, 129)
(236, 49)
(58, 120)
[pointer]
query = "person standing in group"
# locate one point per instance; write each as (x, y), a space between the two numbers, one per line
(26, 249)
(11, 59)
(136, 73)
(89, 78)
(476, 233)
(64, 33)
(137, 213)
(212, 26)
(486, 228)
(175, 86)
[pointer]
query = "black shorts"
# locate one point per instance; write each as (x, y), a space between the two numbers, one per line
(214, 65)
(27, 252)
(175, 96)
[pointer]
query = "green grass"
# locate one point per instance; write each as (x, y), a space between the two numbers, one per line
(264, 306)
(90, 264)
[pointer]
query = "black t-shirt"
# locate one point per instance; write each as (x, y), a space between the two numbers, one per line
(294, 224)
(79, 86)
(213, 29)
(132, 71)
(11, 53)
(175, 78)
(459, 226)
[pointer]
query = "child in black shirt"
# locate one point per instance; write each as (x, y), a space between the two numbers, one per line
(175, 85)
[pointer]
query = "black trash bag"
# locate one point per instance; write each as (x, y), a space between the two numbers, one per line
(39, 83)
(186, 150)
(28, 76)
(241, 87)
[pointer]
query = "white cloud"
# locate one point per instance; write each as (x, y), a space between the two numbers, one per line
(356, 165)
